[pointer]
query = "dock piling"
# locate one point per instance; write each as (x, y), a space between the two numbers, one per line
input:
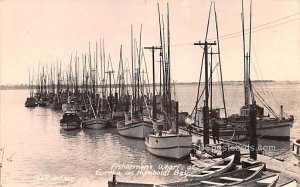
(252, 132)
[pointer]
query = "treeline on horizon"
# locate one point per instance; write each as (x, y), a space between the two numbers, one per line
(26, 86)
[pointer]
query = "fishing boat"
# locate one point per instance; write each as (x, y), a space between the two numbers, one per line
(296, 149)
(31, 100)
(134, 125)
(268, 181)
(169, 144)
(44, 101)
(166, 140)
(291, 183)
(95, 123)
(134, 128)
(277, 127)
(57, 104)
(215, 169)
(202, 116)
(70, 121)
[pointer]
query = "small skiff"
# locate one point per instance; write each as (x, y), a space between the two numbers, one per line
(234, 178)
(269, 181)
(292, 183)
(213, 170)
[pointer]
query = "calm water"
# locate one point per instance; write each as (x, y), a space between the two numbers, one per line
(38, 153)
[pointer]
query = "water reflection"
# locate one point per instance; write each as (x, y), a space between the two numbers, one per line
(70, 134)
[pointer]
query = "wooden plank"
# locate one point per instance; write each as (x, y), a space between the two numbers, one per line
(232, 179)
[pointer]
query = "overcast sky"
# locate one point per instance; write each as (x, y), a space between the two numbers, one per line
(35, 30)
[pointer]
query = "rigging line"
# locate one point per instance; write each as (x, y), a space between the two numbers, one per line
(264, 102)
(202, 61)
(198, 99)
(236, 34)
(220, 85)
(268, 23)
(267, 88)
(262, 88)
(267, 106)
(226, 38)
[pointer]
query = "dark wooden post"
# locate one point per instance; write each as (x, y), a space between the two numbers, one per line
(176, 108)
(252, 132)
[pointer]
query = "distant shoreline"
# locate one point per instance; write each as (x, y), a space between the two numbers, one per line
(25, 86)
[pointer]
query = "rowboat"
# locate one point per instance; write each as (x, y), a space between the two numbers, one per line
(268, 181)
(292, 183)
(296, 149)
(233, 178)
(213, 170)
(236, 177)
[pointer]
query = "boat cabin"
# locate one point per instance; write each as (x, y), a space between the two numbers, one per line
(70, 116)
(245, 110)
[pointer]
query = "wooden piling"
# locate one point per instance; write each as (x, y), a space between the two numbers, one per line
(252, 132)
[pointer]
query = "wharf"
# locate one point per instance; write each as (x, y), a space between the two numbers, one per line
(288, 169)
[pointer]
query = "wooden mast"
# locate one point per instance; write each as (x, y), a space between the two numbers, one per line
(220, 64)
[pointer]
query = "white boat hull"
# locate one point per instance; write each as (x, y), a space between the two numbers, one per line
(170, 146)
(70, 126)
(277, 130)
(94, 123)
(138, 129)
(272, 129)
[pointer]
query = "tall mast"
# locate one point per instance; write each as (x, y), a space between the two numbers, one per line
(169, 68)
(246, 65)
(220, 64)
(161, 51)
(211, 78)
(250, 39)
(132, 68)
(29, 83)
(139, 71)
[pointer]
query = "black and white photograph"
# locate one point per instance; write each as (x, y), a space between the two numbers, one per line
(149, 93)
